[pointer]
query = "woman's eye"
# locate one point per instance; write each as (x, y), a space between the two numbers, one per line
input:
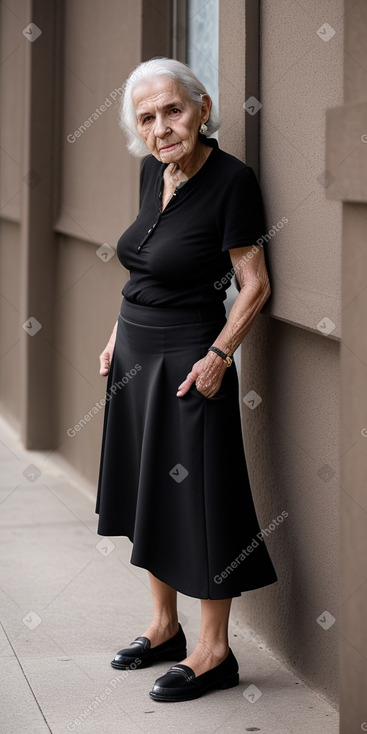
(175, 110)
(147, 119)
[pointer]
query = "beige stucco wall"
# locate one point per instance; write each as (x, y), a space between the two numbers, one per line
(86, 310)
(347, 161)
(292, 452)
(9, 321)
(291, 438)
(98, 200)
(11, 122)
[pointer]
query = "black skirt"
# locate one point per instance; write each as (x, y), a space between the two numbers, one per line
(173, 475)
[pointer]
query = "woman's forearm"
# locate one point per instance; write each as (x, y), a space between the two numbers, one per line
(245, 308)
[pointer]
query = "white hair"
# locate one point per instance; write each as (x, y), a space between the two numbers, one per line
(160, 66)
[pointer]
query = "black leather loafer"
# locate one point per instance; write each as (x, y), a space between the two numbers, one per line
(139, 654)
(181, 684)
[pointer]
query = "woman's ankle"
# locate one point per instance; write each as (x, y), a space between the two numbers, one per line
(166, 621)
(215, 648)
(160, 630)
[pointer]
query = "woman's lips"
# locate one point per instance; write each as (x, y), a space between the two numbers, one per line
(168, 147)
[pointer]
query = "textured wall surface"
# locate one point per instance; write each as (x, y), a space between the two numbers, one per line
(291, 437)
(99, 178)
(291, 446)
(9, 321)
(99, 199)
(353, 518)
(300, 76)
(11, 121)
(89, 297)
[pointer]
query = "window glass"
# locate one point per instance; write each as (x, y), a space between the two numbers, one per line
(202, 42)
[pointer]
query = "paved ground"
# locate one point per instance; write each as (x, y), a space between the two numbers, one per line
(70, 599)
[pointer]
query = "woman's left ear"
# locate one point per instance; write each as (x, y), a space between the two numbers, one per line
(206, 105)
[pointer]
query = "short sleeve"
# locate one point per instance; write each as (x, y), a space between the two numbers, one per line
(241, 215)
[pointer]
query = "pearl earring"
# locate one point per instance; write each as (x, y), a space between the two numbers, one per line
(203, 128)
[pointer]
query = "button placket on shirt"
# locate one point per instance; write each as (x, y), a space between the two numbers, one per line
(150, 230)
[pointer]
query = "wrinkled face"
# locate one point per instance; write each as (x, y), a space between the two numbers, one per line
(167, 119)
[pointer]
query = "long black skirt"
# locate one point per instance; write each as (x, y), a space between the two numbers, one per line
(173, 475)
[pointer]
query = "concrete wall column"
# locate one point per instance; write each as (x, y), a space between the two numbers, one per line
(239, 78)
(291, 434)
(37, 237)
(346, 162)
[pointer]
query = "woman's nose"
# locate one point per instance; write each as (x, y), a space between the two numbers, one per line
(160, 127)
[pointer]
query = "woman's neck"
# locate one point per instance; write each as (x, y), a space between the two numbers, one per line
(191, 166)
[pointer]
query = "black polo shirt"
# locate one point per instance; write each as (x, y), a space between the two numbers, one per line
(179, 256)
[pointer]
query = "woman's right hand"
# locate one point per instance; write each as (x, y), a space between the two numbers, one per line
(105, 358)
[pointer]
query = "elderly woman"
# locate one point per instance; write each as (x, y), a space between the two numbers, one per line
(173, 475)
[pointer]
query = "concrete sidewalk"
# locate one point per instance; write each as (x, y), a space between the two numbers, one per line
(70, 599)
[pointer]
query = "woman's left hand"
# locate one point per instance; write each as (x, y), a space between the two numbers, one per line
(207, 374)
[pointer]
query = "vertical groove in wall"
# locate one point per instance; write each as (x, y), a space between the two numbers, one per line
(346, 128)
(252, 82)
(156, 29)
(178, 47)
(37, 240)
(57, 112)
